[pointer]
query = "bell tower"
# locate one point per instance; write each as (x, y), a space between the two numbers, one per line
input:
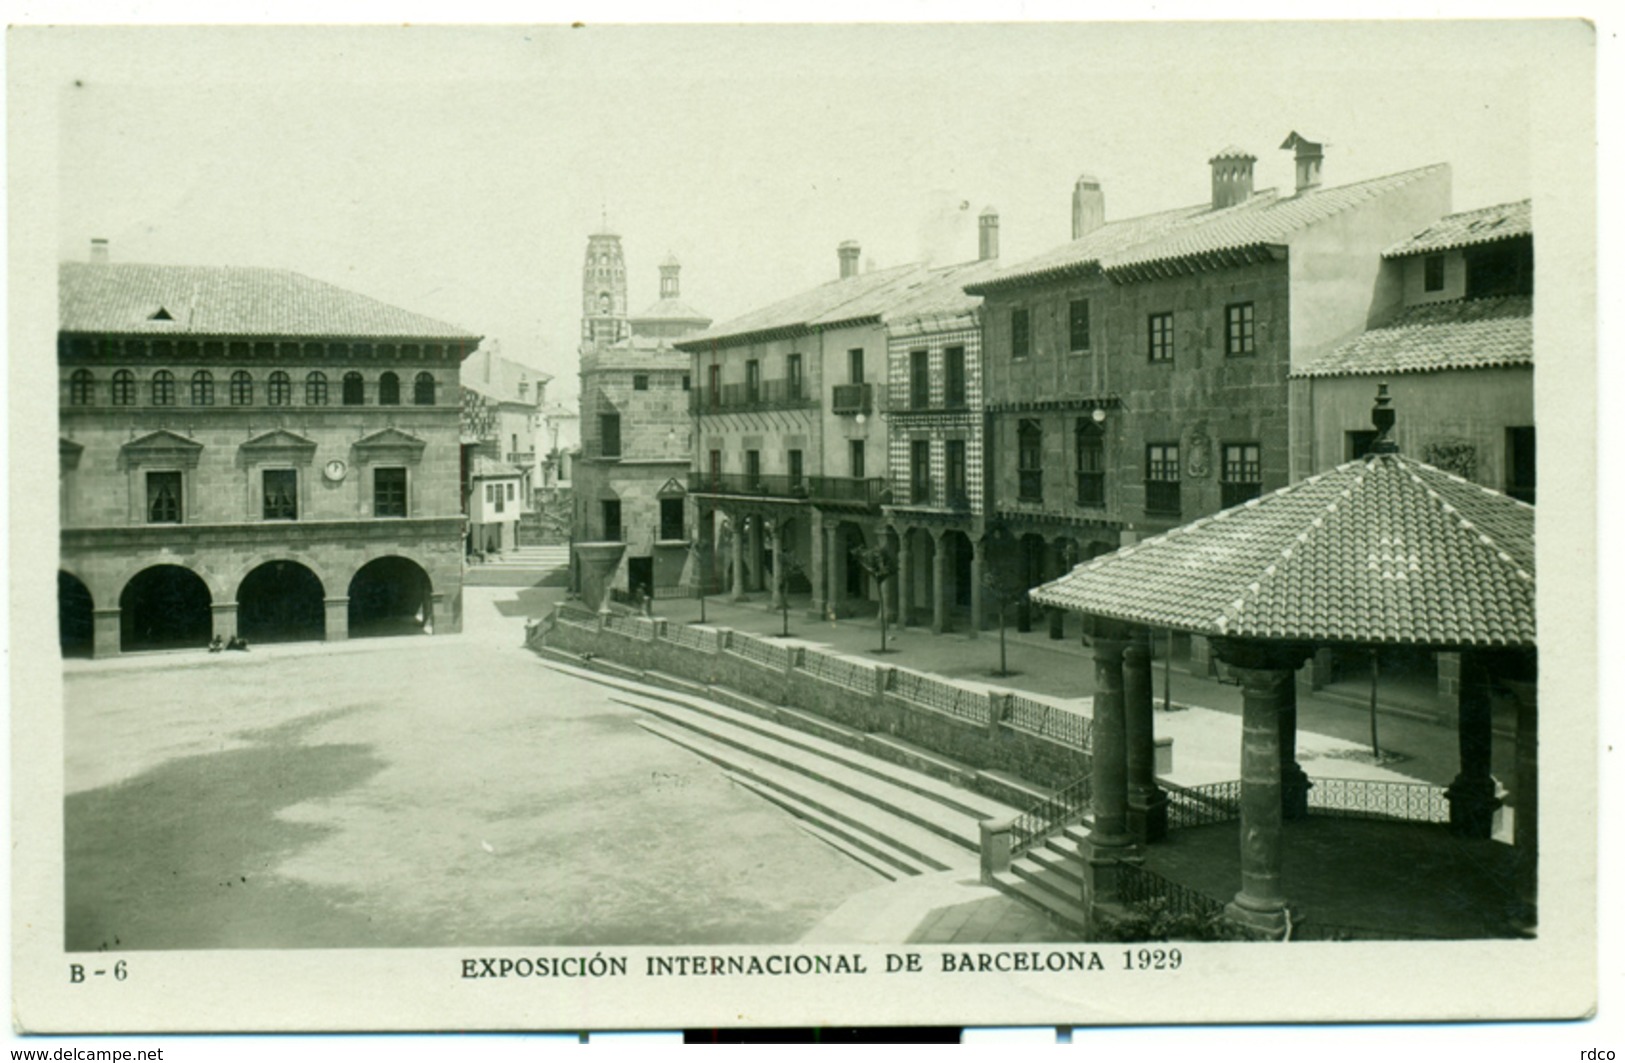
(603, 291)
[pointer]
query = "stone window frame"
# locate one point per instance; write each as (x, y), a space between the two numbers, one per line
(161, 451)
(242, 388)
(315, 388)
(278, 389)
(1159, 329)
(162, 388)
(265, 493)
(1162, 480)
(378, 496)
(640, 381)
(202, 388)
(423, 389)
(389, 389)
(1077, 325)
(919, 470)
(1240, 330)
(1030, 460)
(1089, 438)
(353, 390)
(1021, 332)
(122, 392)
(1241, 477)
(82, 388)
(276, 450)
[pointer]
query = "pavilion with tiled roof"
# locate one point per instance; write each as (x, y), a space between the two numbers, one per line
(1383, 550)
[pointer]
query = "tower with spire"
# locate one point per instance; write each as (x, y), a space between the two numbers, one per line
(603, 291)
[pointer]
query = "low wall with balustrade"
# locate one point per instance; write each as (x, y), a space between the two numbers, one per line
(985, 730)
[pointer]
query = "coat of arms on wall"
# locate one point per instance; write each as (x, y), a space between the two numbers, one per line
(1197, 452)
(1456, 456)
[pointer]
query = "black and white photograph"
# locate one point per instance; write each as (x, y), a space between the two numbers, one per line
(633, 526)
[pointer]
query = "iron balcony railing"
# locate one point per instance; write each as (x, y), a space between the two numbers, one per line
(762, 485)
(852, 399)
(867, 492)
(788, 393)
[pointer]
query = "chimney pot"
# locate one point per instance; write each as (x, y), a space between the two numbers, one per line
(848, 252)
(1232, 177)
(1308, 157)
(987, 244)
(98, 249)
(1088, 206)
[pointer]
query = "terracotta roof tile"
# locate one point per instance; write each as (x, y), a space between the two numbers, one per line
(1484, 225)
(1459, 334)
(1380, 550)
(228, 300)
(846, 299)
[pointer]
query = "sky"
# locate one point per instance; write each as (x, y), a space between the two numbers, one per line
(457, 172)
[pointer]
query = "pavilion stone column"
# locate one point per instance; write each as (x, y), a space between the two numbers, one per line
(105, 632)
(1109, 840)
(1147, 804)
(939, 580)
(1472, 793)
(778, 566)
(977, 567)
(224, 615)
(1526, 803)
(1295, 784)
(815, 556)
(904, 577)
(337, 612)
(1267, 677)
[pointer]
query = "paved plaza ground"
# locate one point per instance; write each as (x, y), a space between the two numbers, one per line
(453, 791)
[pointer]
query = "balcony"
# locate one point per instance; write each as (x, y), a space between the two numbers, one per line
(744, 484)
(849, 491)
(852, 399)
(521, 457)
(787, 394)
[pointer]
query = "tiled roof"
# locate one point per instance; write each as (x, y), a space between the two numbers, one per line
(636, 352)
(1459, 334)
(942, 299)
(228, 301)
(486, 466)
(1482, 226)
(669, 309)
(1384, 549)
(846, 299)
(499, 378)
(1263, 220)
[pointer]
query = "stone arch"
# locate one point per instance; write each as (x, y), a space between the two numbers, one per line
(75, 610)
(281, 601)
(391, 595)
(317, 569)
(165, 606)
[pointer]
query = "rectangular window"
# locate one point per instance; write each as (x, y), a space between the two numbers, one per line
(1030, 461)
(163, 498)
(1162, 479)
(640, 381)
(792, 377)
(753, 381)
(1238, 330)
(490, 494)
(958, 486)
(795, 470)
(389, 492)
(1433, 273)
(281, 488)
(1521, 464)
(609, 435)
(753, 467)
(500, 503)
(716, 469)
(953, 378)
(611, 512)
(1160, 333)
(685, 382)
(713, 384)
(1091, 463)
(1240, 475)
(856, 457)
(1020, 333)
(1077, 317)
(919, 379)
(854, 365)
(671, 519)
(919, 479)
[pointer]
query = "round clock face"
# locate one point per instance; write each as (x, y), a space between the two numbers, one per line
(334, 470)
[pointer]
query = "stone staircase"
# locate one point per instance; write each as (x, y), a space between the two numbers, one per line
(1050, 877)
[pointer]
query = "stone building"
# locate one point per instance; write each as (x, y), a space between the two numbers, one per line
(510, 423)
(790, 452)
(630, 482)
(1136, 377)
(252, 452)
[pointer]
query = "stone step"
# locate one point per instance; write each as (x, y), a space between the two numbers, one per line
(948, 822)
(859, 845)
(1063, 887)
(861, 817)
(1069, 868)
(677, 683)
(1066, 912)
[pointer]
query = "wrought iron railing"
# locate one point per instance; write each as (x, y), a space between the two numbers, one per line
(852, 398)
(1139, 885)
(871, 491)
(1198, 806)
(956, 701)
(760, 485)
(1062, 808)
(767, 654)
(1415, 802)
(1066, 726)
(789, 393)
(694, 638)
(838, 670)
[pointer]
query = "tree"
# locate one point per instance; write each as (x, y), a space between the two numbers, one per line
(785, 566)
(879, 563)
(1003, 581)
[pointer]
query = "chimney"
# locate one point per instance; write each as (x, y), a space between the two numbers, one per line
(1308, 158)
(987, 231)
(848, 252)
(668, 277)
(1232, 177)
(1088, 206)
(98, 250)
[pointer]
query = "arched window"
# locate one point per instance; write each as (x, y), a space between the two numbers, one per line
(352, 389)
(81, 388)
(278, 390)
(389, 390)
(202, 388)
(123, 388)
(163, 388)
(316, 389)
(242, 388)
(423, 390)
